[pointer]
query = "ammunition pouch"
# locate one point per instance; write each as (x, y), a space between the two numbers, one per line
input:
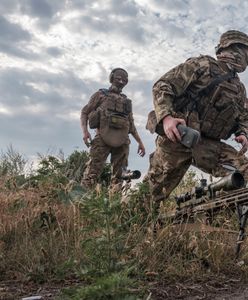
(117, 121)
(114, 123)
(221, 112)
(94, 119)
(114, 128)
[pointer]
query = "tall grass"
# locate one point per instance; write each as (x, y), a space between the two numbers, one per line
(50, 228)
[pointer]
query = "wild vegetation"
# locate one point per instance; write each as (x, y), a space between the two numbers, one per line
(53, 230)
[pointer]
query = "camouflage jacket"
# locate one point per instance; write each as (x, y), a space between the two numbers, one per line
(220, 113)
(97, 100)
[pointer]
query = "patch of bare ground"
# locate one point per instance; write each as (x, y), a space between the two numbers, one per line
(16, 290)
(231, 289)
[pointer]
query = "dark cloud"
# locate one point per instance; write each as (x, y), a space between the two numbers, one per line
(22, 88)
(79, 4)
(129, 29)
(124, 8)
(176, 5)
(33, 130)
(54, 51)
(41, 8)
(7, 6)
(38, 8)
(14, 40)
(12, 50)
(12, 33)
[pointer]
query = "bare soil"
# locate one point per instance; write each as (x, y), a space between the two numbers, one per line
(16, 290)
(232, 289)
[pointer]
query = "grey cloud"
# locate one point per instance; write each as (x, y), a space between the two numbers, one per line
(133, 31)
(171, 29)
(39, 8)
(17, 51)
(42, 8)
(126, 8)
(43, 11)
(98, 24)
(176, 5)
(13, 40)
(19, 88)
(117, 19)
(79, 4)
(141, 106)
(11, 32)
(130, 29)
(7, 6)
(54, 51)
(174, 31)
(202, 9)
(37, 131)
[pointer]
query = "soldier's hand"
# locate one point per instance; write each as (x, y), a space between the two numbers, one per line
(141, 149)
(242, 139)
(170, 128)
(87, 138)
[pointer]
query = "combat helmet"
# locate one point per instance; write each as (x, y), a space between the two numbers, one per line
(231, 37)
(111, 76)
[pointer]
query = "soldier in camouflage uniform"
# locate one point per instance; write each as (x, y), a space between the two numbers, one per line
(110, 113)
(205, 94)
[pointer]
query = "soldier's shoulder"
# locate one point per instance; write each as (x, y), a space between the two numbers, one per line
(202, 60)
(103, 91)
(126, 99)
(124, 96)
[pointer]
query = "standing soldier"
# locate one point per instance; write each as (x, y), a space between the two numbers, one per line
(110, 113)
(205, 94)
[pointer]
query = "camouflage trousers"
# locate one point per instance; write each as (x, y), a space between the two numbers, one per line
(99, 152)
(170, 161)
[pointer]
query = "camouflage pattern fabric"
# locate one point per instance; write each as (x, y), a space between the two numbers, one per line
(98, 100)
(99, 152)
(217, 115)
(174, 92)
(171, 160)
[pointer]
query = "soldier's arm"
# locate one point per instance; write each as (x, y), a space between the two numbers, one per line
(243, 122)
(141, 148)
(86, 110)
(242, 131)
(172, 85)
(168, 89)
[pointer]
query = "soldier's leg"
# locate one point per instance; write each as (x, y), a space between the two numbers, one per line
(99, 152)
(212, 157)
(230, 156)
(119, 162)
(206, 155)
(168, 164)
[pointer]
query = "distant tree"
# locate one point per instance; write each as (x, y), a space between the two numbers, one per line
(12, 163)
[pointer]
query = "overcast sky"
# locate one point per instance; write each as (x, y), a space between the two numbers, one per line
(56, 53)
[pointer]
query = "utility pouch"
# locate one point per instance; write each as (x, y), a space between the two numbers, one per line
(94, 119)
(117, 121)
(189, 136)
